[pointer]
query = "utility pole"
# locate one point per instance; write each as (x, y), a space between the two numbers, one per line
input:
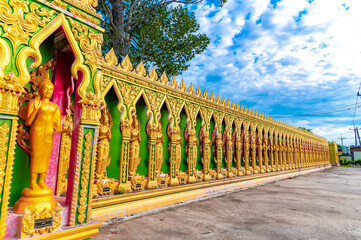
(342, 138)
(357, 136)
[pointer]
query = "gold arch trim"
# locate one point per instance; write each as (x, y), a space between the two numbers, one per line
(34, 52)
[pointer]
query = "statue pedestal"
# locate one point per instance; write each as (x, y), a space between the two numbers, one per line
(38, 211)
(35, 200)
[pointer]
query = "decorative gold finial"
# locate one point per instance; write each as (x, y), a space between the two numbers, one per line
(198, 92)
(205, 94)
(191, 89)
(173, 82)
(126, 64)
(183, 86)
(218, 100)
(111, 59)
(223, 101)
(140, 70)
(153, 74)
(211, 98)
(164, 79)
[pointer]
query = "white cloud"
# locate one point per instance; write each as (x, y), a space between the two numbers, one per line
(294, 58)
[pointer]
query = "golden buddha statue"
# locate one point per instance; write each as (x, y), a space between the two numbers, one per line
(43, 116)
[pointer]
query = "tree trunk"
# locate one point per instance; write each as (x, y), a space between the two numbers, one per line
(118, 32)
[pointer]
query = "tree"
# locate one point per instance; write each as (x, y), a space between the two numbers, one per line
(126, 21)
(168, 40)
(306, 129)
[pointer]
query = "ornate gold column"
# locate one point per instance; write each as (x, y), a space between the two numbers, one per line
(228, 144)
(217, 142)
(175, 139)
(246, 144)
(271, 143)
(191, 140)
(266, 148)
(129, 94)
(10, 92)
(253, 148)
(237, 141)
(276, 150)
(260, 150)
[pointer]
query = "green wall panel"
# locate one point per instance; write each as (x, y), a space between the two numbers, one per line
(224, 164)
(111, 100)
(183, 123)
(199, 165)
(164, 120)
(212, 164)
(141, 109)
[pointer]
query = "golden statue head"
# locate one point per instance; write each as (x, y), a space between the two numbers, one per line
(46, 88)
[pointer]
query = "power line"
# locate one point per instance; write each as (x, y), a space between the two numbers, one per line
(354, 113)
(342, 138)
(357, 105)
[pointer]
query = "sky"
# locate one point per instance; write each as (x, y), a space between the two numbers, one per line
(296, 60)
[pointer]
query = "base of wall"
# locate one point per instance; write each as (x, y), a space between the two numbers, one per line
(222, 186)
(78, 232)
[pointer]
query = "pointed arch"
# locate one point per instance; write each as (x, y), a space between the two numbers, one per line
(33, 51)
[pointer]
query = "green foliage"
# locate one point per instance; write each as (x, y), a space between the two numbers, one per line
(339, 146)
(306, 129)
(169, 41)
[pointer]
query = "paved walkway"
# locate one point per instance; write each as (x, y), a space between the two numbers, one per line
(323, 205)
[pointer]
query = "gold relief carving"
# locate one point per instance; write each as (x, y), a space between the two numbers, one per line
(138, 183)
(126, 64)
(182, 177)
(129, 93)
(74, 202)
(155, 100)
(84, 15)
(60, 4)
(105, 136)
(27, 227)
(191, 150)
(6, 184)
(205, 148)
(90, 44)
(87, 5)
(17, 27)
(212, 174)
(85, 177)
(104, 187)
(163, 180)
(64, 155)
(153, 74)
(140, 70)
(228, 144)
(10, 92)
(198, 175)
(159, 141)
(4, 131)
(134, 158)
(91, 106)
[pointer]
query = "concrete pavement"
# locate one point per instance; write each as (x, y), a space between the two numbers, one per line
(322, 205)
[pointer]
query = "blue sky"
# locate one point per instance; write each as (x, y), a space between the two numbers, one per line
(288, 59)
